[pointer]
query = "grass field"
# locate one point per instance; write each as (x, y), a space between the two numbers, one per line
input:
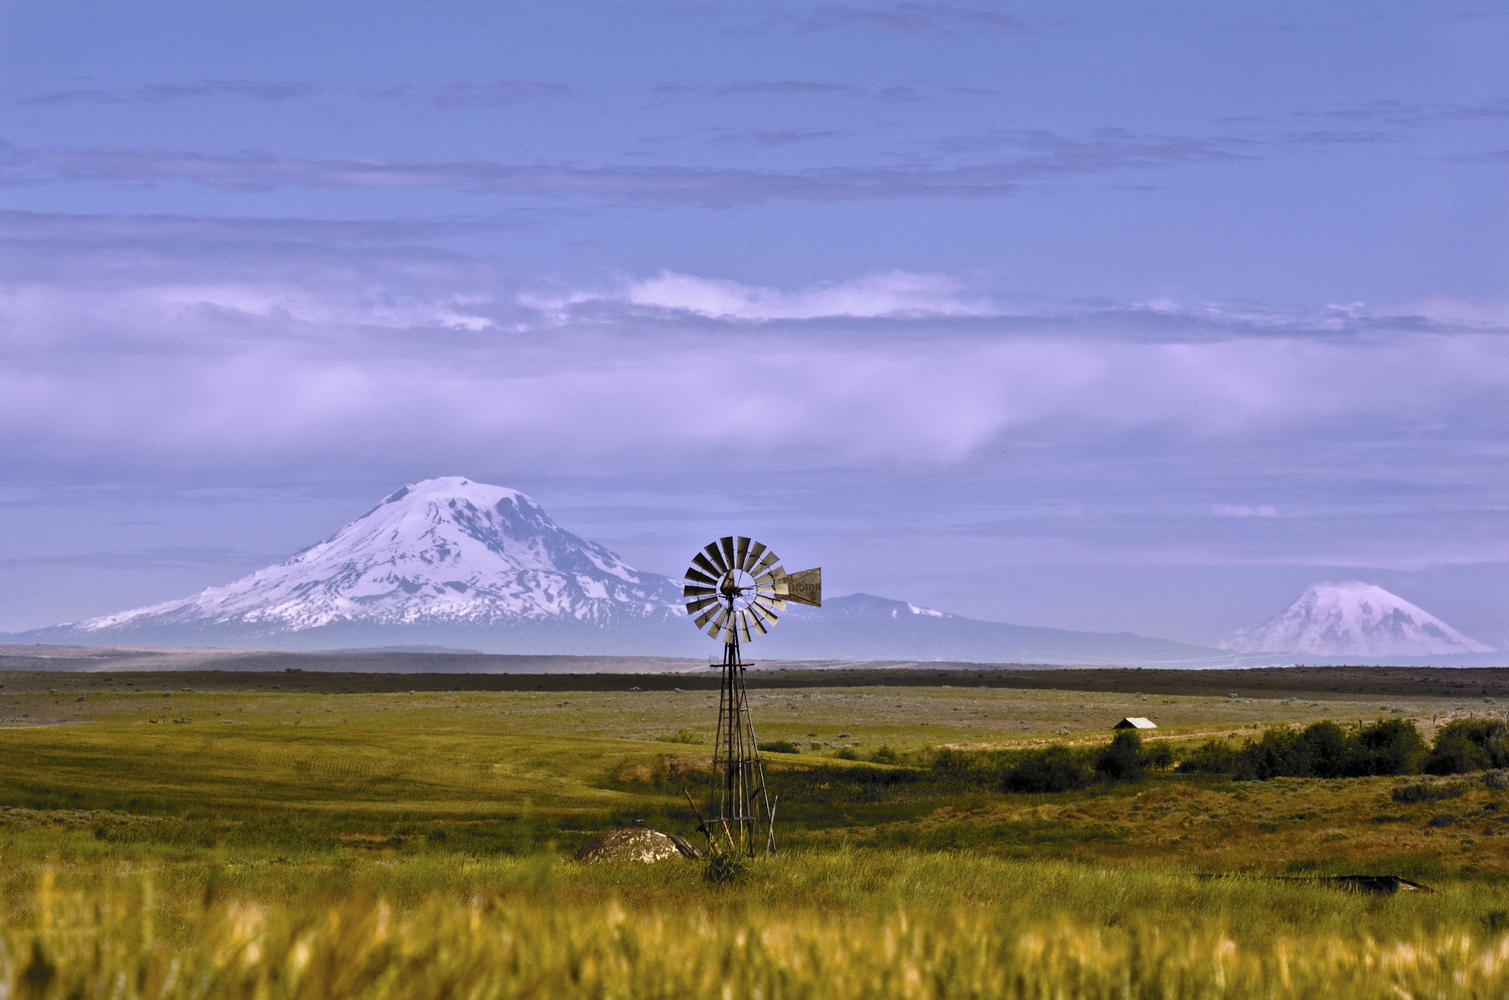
(300, 842)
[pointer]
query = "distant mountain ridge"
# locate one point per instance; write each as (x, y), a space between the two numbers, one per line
(1353, 619)
(453, 563)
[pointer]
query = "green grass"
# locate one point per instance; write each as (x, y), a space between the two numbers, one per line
(393, 845)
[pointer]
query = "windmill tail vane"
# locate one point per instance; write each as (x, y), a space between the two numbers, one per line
(737, 590)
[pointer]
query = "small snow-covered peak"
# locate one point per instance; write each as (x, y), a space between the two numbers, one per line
(1353, 619)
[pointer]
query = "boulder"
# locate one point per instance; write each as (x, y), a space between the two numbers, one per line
(636, 843)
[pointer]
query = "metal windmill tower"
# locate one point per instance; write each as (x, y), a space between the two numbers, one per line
(735, 588)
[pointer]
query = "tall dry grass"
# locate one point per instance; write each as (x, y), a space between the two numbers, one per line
(832, 927)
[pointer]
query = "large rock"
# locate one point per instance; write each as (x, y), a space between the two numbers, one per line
(636, 843)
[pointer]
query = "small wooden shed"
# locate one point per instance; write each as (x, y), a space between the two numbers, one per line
(1135, 722)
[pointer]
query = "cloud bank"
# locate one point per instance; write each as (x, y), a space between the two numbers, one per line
(304, 358)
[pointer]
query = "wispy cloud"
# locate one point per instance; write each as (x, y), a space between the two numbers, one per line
(467, 94)
(786, 88)
(909, 18)
(159, 557)
(65, 228)
(1042, 156)
(761, 137)
(889, 294)
(157, 93)
(1244, 510)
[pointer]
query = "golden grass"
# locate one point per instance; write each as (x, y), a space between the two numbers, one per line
(836, 926)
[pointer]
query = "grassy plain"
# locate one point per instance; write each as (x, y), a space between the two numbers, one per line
(305, 842)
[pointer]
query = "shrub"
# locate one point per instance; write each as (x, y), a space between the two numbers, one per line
(1391, 746)
(1160, 755)
(779, 746)
(1469, 745)
(1326, 744)
(1055, 769)
(1121, 759)
(885, 755)
(1427, 793)
(1211, 757)
(725, 868)
(1281, 753)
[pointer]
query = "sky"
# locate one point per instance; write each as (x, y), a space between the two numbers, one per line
(1104, 316)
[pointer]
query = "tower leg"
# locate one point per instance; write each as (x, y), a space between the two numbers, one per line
(742, 802)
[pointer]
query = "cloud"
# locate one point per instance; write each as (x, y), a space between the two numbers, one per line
(1412, 115)
(911, 19)
(759, 137)
(888, 294)
(1244, 510)
(157, 93)
(66, 228)
(469, 95)
(272, 359)
(157, 557)
(785, 88)
(1492, 156)
(1042, 156)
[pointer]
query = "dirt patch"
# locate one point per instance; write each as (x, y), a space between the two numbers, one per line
(667, 767)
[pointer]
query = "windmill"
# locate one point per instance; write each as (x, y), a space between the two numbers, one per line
(735, 588)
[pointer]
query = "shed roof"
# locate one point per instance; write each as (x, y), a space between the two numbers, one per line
(1135, 722)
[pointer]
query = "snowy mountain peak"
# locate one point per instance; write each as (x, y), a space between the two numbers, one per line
(445, 550)
(1353, 619)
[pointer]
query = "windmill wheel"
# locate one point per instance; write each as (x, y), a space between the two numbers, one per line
(735, 588)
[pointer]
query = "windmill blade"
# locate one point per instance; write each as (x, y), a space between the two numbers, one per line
(805, 587)
(692, 574)
(755, 549)
(706, 564)
(770, 611)
(693, 607)
(770, 560)
(754, 620)
(744, 626)
(741, 551)
(711, 548)
(717, 625)
(730, 634)
(690, 591)
(727, 541)
(707, 616)
(762, 614)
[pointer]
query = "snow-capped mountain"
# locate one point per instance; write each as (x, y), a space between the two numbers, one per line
(438, 554)
(1353, 619)
(454, 563)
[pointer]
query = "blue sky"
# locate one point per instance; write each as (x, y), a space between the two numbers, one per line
(1105, 316)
